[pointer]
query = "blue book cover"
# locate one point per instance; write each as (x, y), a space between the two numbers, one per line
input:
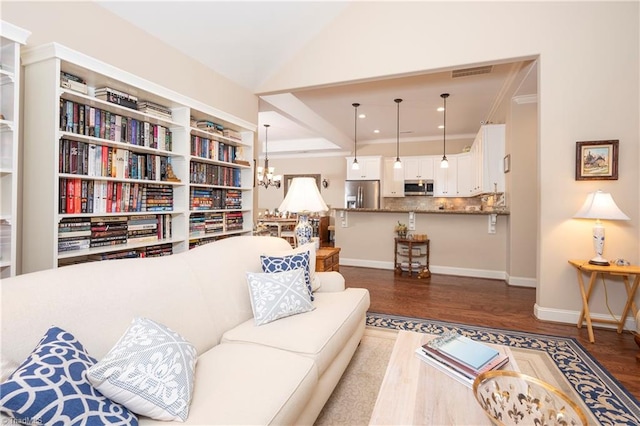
(469, 352)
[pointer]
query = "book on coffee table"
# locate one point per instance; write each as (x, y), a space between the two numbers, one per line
(462, 349)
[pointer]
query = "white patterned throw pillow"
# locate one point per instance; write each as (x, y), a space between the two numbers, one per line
(278, 295)
(150, 371)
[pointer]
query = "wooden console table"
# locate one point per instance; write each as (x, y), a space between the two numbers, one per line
(414, 253)
(625, 272)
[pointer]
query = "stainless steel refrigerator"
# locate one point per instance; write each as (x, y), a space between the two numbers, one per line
(362, 194)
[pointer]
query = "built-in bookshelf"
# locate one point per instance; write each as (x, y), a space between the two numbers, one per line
(116, 166)
(11, 40)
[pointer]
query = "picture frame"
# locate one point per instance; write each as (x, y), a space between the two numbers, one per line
(597, 160)
(288, 178)
(506, 163)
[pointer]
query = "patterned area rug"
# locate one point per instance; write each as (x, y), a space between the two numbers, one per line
(608, 402)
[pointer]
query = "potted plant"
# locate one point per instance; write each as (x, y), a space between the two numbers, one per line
(401, 230)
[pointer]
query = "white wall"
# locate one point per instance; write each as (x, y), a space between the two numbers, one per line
(588, 90)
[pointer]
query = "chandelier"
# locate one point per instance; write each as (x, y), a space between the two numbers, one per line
(265, 175)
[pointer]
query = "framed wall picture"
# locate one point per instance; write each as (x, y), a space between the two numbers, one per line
(597, 160)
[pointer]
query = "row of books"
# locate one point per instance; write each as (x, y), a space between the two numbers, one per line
(81, 233)
(234, 221)
(201, 224)
(212, 174)
(97, 160)
(78, 196)
(461, 357)
(147, 251)
(155, 109)
(214, 199)
(196, 242)
(212, 149)
(208, 126)
(90, 121)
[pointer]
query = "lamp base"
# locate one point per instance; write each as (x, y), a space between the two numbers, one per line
(600, 261)
(303, 230)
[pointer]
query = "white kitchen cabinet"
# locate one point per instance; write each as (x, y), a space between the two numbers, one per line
(446, 180)
(392, 180)
(370, 168)
(418, 168)
(489, 150)
(465, 175)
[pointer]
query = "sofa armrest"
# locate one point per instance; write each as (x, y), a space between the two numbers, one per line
(331, 281)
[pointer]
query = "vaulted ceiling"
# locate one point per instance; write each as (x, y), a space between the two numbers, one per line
(248, 42)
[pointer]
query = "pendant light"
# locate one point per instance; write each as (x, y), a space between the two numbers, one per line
(265, 175)
(355, 165)
(398, 163)
(444, 163)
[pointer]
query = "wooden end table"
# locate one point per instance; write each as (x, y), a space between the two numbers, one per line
(328, 259)
(625, 272)
(416, 258)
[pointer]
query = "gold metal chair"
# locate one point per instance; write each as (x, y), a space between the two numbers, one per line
(512, 398)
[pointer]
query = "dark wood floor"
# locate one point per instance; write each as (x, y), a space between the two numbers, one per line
(490, 303)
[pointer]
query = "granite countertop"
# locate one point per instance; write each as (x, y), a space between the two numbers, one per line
(436, 211)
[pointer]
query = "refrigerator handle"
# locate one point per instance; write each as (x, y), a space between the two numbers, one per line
(360, 196)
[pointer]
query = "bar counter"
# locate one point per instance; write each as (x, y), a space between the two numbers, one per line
(501, 212)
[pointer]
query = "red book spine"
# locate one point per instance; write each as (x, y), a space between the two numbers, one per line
(70, 191)
(77, 200)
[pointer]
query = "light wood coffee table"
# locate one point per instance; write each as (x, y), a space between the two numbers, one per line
(415, 393)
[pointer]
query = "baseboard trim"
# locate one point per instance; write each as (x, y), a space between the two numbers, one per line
(445, 270)
(522, 282)
(571, 317)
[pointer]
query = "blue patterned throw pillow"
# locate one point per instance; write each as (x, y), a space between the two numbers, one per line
(150, 370)
(288, 263)
(51, 387)
(276, 295)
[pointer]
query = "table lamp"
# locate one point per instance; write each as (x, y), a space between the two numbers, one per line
(599, 205)
(303, 198)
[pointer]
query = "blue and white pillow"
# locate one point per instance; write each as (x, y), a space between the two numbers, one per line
(276, 295)
(51, 387)
(150, 370)
(288, 263)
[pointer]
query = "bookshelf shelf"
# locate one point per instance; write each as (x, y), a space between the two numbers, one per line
(11, 40)
(143, 168)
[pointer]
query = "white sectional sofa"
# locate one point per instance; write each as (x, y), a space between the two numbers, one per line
(282, 372)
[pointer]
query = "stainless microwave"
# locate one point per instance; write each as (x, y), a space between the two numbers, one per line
(418, 187)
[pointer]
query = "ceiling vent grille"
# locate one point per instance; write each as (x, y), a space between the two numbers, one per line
(471, 71)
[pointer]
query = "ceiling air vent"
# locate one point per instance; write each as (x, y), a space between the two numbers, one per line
(471, 71)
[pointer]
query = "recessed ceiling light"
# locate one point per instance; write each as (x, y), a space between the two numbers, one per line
(362, 116)
(440, 109)
(441, 126)
(376, 131)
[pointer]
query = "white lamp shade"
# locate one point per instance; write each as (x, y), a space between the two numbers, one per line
(303, 196)
(600, 205)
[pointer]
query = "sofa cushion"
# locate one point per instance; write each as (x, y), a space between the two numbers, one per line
(149, 370)
(278, 295)
(288, 262)
(51, 387)
(240, 384)
(319, 335)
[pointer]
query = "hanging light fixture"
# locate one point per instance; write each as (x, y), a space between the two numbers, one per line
(265, 175)
(398, 163)
(444, 163)
(355, 165)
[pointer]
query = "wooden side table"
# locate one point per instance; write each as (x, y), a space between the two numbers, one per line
(415, 258)
(625, 272)
(328, 259)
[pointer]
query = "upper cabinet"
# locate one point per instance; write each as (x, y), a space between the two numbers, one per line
(446, 180)
(393, 179)
(488, 150)
(418, 168)
(11, 39)
(370, 168)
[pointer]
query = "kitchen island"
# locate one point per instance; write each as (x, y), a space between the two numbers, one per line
(463, 242)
